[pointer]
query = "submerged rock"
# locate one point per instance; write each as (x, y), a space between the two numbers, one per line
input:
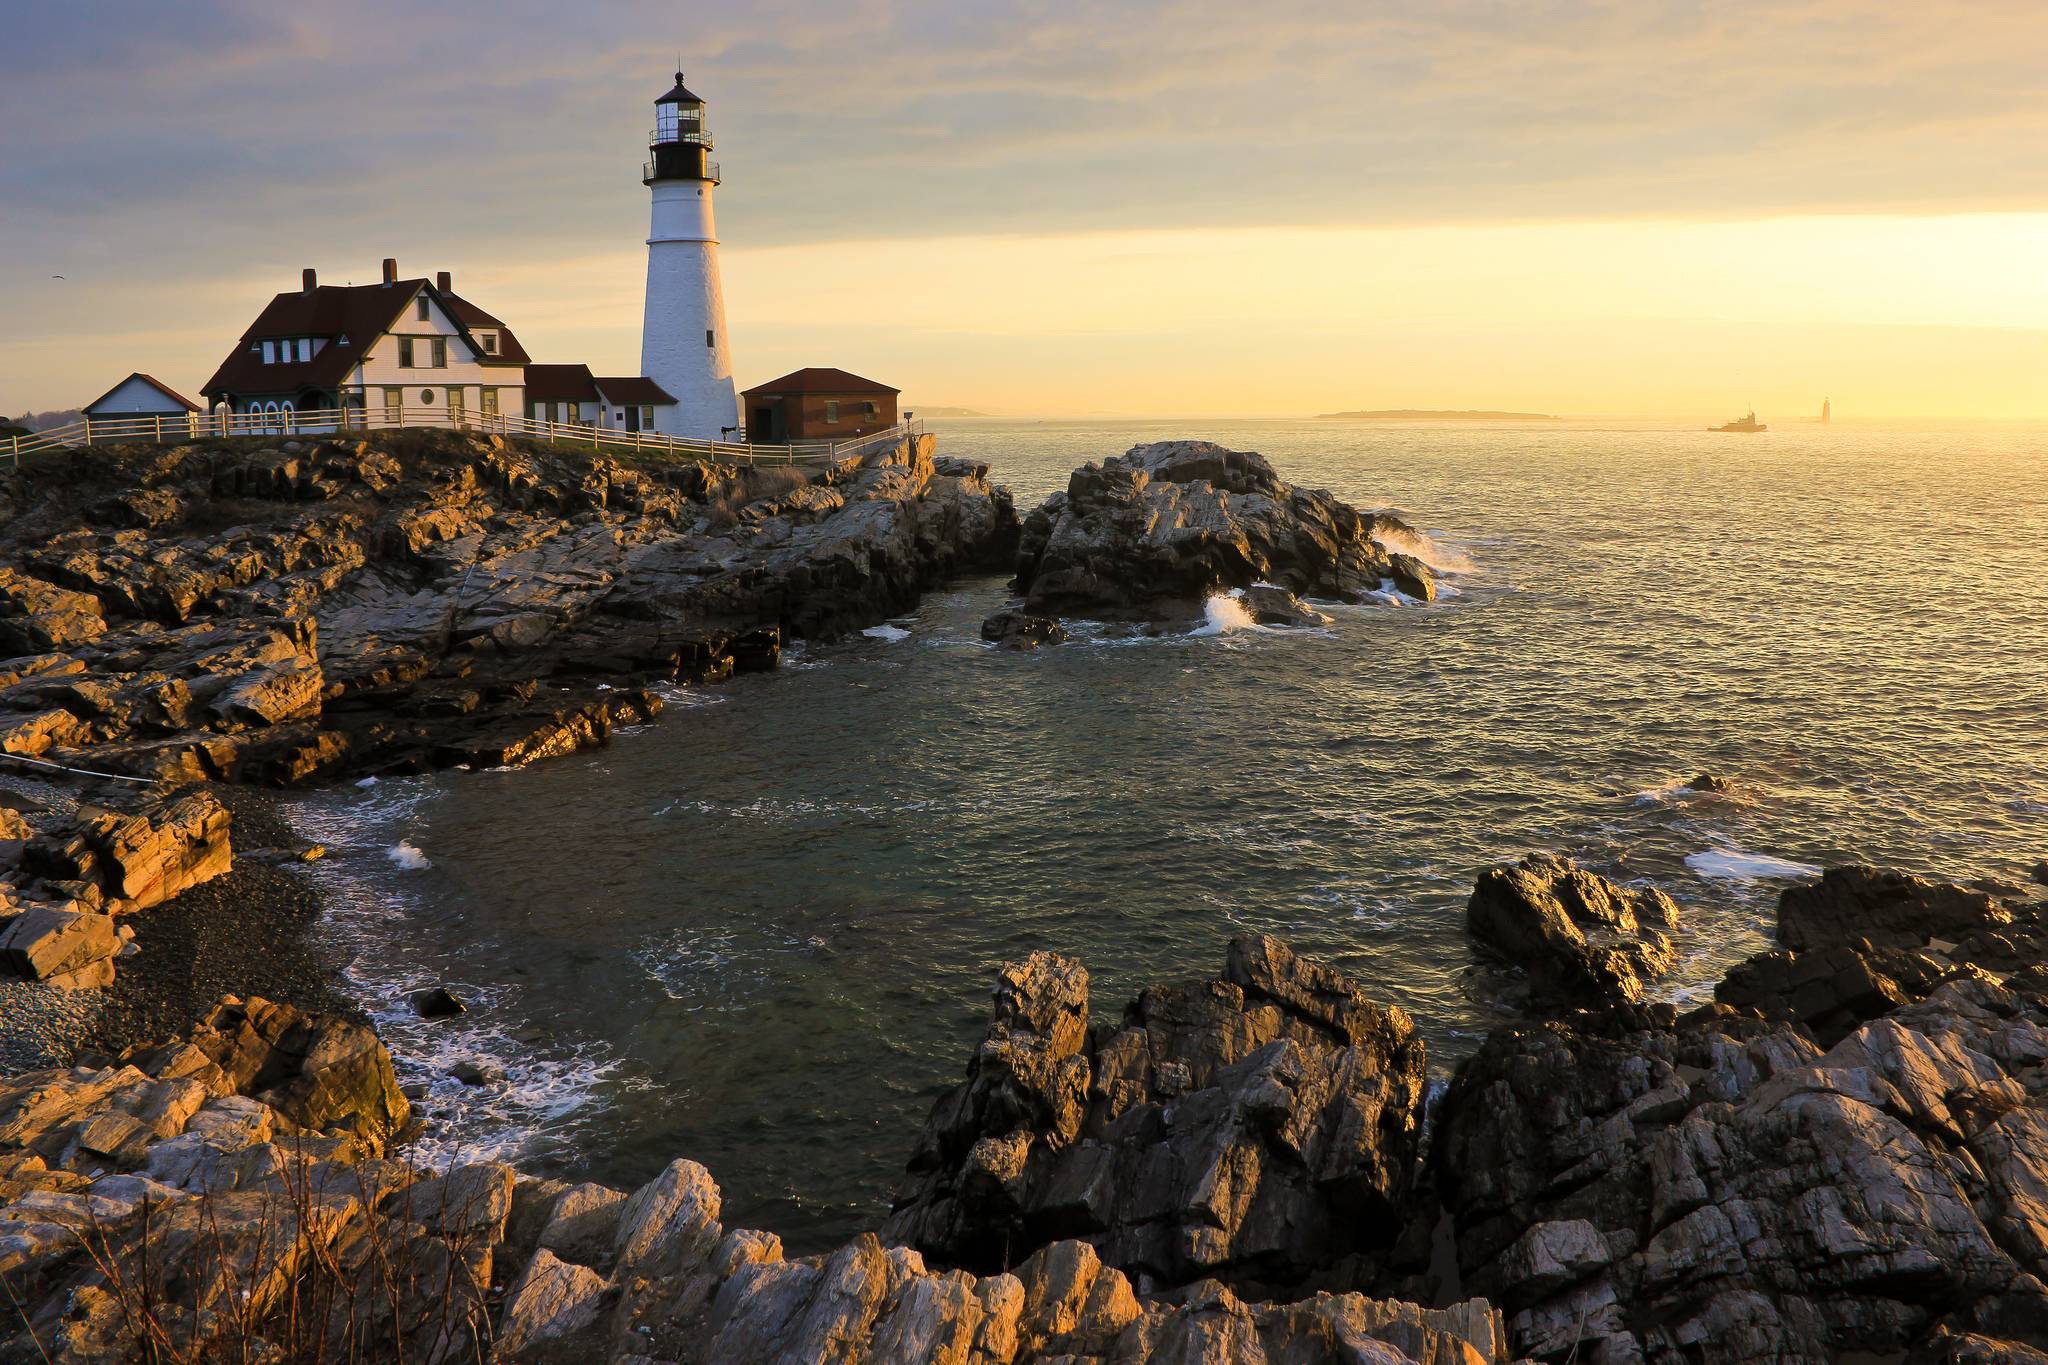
(1167, 525)
(437, 1002)
(1581, 939)
(1021, 630)
(1257, 1129)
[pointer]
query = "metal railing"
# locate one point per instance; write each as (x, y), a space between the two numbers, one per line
(330, 421)
(710, 172)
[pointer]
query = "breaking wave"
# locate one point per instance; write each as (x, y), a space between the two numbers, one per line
(1734, 865)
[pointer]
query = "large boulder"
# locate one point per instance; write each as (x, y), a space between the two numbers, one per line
(68, 948)
(1258, 1128)
(1169, 524)
(324, 1072)
(1580, 939)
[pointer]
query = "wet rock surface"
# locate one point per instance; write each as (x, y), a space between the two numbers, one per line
(279, 612)
(1257, 1129)
(1021, 630)
(1166, 525)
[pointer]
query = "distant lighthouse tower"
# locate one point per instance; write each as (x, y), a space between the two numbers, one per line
(683, 345)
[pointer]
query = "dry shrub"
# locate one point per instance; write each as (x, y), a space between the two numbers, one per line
(332, 1263)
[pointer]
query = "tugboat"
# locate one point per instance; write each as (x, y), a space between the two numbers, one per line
(1748, 423)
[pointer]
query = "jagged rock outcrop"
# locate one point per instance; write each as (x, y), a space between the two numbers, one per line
(1840, 1157)
(227, 1195)
(1862, 941)
(1167, 525)
(1579, 938)
(318, 608)
(1725, 1190)
(1258, 1129)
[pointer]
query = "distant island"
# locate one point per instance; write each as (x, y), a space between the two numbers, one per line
(1434, 415)
(936, 411)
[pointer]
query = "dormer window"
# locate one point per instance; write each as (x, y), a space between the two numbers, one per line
(270, 353)
(489, 341)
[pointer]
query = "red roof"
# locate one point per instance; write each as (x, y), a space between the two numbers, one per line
(350, 318)
(560, 384)
(633, 389)
(820, 381)
(165, 389)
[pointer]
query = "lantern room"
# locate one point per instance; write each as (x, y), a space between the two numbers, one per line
(679, 147)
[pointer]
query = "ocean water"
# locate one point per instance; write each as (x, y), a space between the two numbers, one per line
(761, 932)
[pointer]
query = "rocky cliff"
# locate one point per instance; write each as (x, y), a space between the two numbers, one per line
(278, 611)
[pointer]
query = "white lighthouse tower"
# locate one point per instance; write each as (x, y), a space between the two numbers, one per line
(683, 345)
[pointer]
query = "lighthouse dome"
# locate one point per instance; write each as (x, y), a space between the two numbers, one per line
(680, 94)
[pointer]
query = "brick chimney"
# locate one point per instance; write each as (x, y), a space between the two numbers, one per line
(444, 282)
(308, 280)
(391, 270)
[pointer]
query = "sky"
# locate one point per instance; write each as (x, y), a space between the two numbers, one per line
(1193, 207)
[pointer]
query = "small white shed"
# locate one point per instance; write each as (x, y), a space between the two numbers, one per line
(141, 405)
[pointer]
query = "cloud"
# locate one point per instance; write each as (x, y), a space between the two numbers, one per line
(220, 141)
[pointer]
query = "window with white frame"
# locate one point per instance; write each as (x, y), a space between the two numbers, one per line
(405, 353)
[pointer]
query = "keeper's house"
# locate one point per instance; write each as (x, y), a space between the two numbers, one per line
(410, 347)
(144, 399)
(409, 352)
(817, 405)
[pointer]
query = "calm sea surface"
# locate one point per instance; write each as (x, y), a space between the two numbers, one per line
(761, 932)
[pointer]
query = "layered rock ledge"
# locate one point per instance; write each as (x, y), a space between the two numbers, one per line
(270, 611)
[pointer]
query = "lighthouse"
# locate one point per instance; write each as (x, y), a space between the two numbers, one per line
(683, 344)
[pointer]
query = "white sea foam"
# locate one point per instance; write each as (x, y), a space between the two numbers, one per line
(367, 782)
(1222, 615)
(545, 1088)
(406, 854)
(1387, 595)
(889, 633)
(1439, 556)
(1734, 865)
(1660, 794)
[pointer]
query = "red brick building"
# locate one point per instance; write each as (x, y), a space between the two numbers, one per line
(817, 405)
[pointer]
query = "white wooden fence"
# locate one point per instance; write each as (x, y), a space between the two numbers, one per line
(328, 421)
